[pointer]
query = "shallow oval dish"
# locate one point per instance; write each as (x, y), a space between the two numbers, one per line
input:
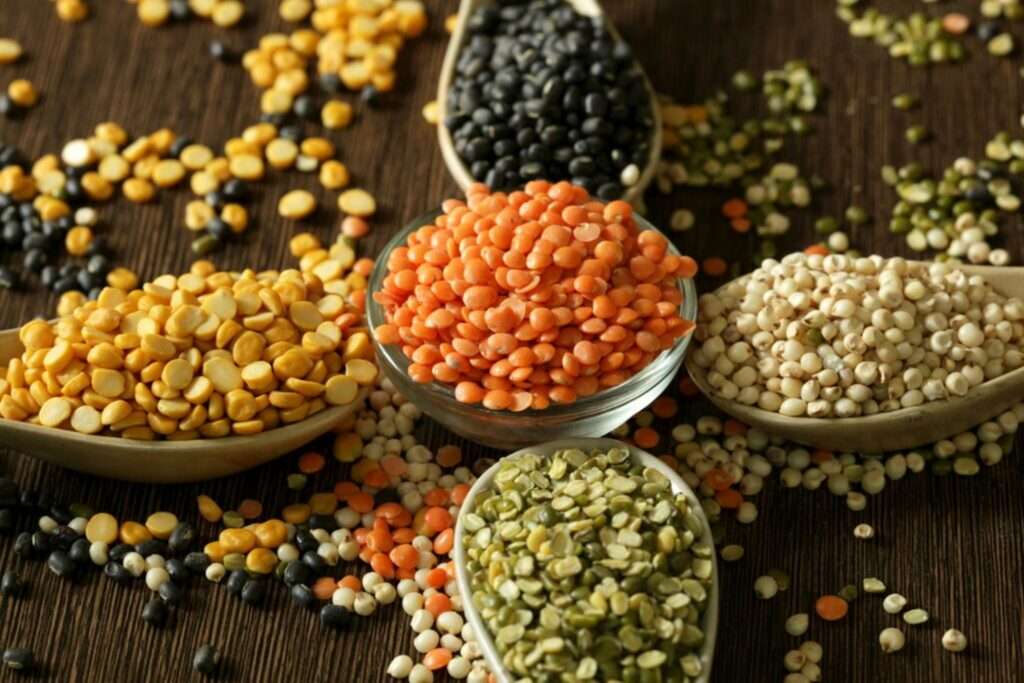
(895, 430)
(483, 483)
(592, 416)
(160, 462)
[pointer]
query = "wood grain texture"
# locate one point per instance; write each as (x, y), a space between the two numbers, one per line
(951, 545)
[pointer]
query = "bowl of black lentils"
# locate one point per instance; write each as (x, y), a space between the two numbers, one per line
(546, 89)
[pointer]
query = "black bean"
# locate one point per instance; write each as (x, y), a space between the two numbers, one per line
(197, 562)
(305, 107)
(236, 190)
(302, 595)
(325, 522)
(171, 593)
(11, 585)
(80, 551)
(254, 592)
(180, 10)
(333, 616)
(206, 660)
(370, 95)
(236, 581)
(118, 552)
(60, 564)
(330, 83)
(177, 570)
(8, 279)
(155, 612)
(34, 260)
(219, 229)
(153, 546)
(221, 52)
(296, 573)
(179, 144)
(8, 108)
(19, 658)
(23, 545)
(116, 572)
(181, 538)
(306, 541)
(41, 542)
(315, 563)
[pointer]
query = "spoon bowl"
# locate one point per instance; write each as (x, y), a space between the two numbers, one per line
(898, 429)
(159, 462)
(490, 651)
(590, 8)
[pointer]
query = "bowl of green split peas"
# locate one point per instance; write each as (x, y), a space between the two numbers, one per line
(588, 556)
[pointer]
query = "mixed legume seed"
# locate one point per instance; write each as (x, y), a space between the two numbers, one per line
(830, 336)
(589, 563)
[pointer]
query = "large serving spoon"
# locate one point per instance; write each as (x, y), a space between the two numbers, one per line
(160, 462)
(898, 429)
(483, 636)
(457, 168)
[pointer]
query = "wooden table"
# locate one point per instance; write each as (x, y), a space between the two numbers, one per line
(949, 544)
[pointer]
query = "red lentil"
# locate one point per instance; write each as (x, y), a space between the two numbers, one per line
(526, 298)
(831, 607)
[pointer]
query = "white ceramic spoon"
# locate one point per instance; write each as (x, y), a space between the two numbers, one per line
(710, 626)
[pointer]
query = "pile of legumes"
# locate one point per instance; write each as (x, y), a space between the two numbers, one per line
(530, 298)
(543, 92)
(831, 336)
(203, 355)
(589, 564)
(353, 45)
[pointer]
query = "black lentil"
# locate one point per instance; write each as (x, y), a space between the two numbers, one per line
(206, 660)
(221, 52)
(116, 572)
(254, 592)
(153, 546)
(333, 616)
(60, 564)
(302, 595)
(540, 69)
(118, 552)
(11, 585)
(236, 581)
(305, 541)
(296, 573)
(23, 545)
(171, 593)
(79, 551)
(41, 542)
(19, 658)
(177, 570)
(155, 612)
(197, 562)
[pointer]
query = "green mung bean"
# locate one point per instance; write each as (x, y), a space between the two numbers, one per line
(589, 563)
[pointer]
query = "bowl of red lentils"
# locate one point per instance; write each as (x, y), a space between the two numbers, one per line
(528, 316)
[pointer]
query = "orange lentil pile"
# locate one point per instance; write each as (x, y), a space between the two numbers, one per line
(523, 299)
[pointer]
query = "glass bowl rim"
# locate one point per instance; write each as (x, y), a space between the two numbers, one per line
(391, 354)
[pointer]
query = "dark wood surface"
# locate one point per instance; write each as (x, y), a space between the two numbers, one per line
(949, 544)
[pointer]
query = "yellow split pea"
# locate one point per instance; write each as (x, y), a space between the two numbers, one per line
(357, 202)
(296, 204)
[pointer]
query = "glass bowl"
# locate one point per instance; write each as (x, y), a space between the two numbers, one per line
(591, 416)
